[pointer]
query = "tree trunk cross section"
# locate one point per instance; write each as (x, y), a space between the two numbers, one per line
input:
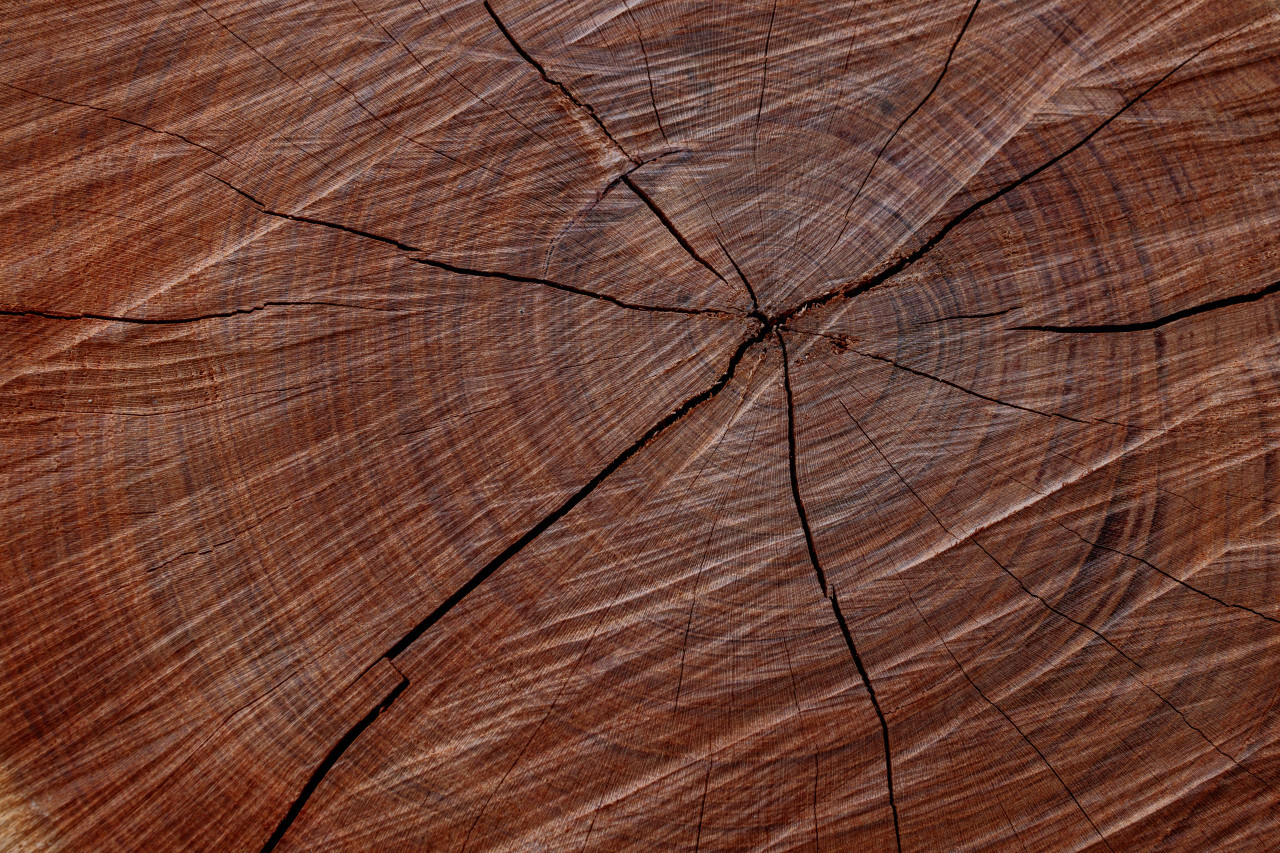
(645, 424)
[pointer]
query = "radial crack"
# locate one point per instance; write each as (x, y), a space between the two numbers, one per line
(982, 396)
(830, 592)
(1203, 308)
(875, 703)
(936, 83)
(528, 57)
(1171, 577)
(114, 117)
(496, 563)
(648, 71)
(969, 391)
(668, 224)
(1043, 601)
(330, 759)
(755, 303)
(534, 532)
(861, 286)
(448, 267)
(1122, 653)
(764, 73)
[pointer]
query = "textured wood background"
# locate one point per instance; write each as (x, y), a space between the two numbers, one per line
(640, 424)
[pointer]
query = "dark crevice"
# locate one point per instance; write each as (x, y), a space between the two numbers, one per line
(608, 188)
(894, 469)
(470, 91)
(168, 133)
(528, 57)
(568, 288)
(764, 74)
(702, 809)
(534, 532)
(259, 53)
(1162, 572)
(1008, 719)
(401, 645)
(981, 316)
(1203, 308)
(648, 71)
(317, 776)
(755, 302)
(875, 703)
(795, 475)
(448, 267)
(668, 224)
(863, 285)
(829, 591)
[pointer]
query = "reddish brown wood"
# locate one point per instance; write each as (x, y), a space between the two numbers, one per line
(640, 425)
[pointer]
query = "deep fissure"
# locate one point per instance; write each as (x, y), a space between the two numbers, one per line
(767, 325)
(828, 591)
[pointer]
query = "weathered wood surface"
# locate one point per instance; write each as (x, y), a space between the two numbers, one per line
(640, 425)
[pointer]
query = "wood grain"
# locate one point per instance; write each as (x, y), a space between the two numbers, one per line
(641, 424)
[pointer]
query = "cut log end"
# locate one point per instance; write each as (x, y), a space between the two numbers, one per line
(573, 426)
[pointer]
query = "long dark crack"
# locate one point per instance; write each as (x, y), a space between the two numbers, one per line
(764, 73)
(922, 374)
(528, 57)
(237, 37)
(115, 117)
(454, 268)
(981, 396)
(330, 759)
(410, 637)
(637, 162)
(829, 591)
(861, 286)
(875, 703)
(1026, 589)
(1145, 325)
(669, 224)
(538, 529)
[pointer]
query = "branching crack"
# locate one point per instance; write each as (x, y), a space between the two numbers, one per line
(829, 591)
(528, 57)
(401, 645)
(454, 268)
(861, 286)
(1137, 668)
(1203, 308)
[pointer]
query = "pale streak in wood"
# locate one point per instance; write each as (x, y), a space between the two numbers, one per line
(321, 541)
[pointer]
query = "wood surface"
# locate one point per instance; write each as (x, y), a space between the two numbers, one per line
(845, 425)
